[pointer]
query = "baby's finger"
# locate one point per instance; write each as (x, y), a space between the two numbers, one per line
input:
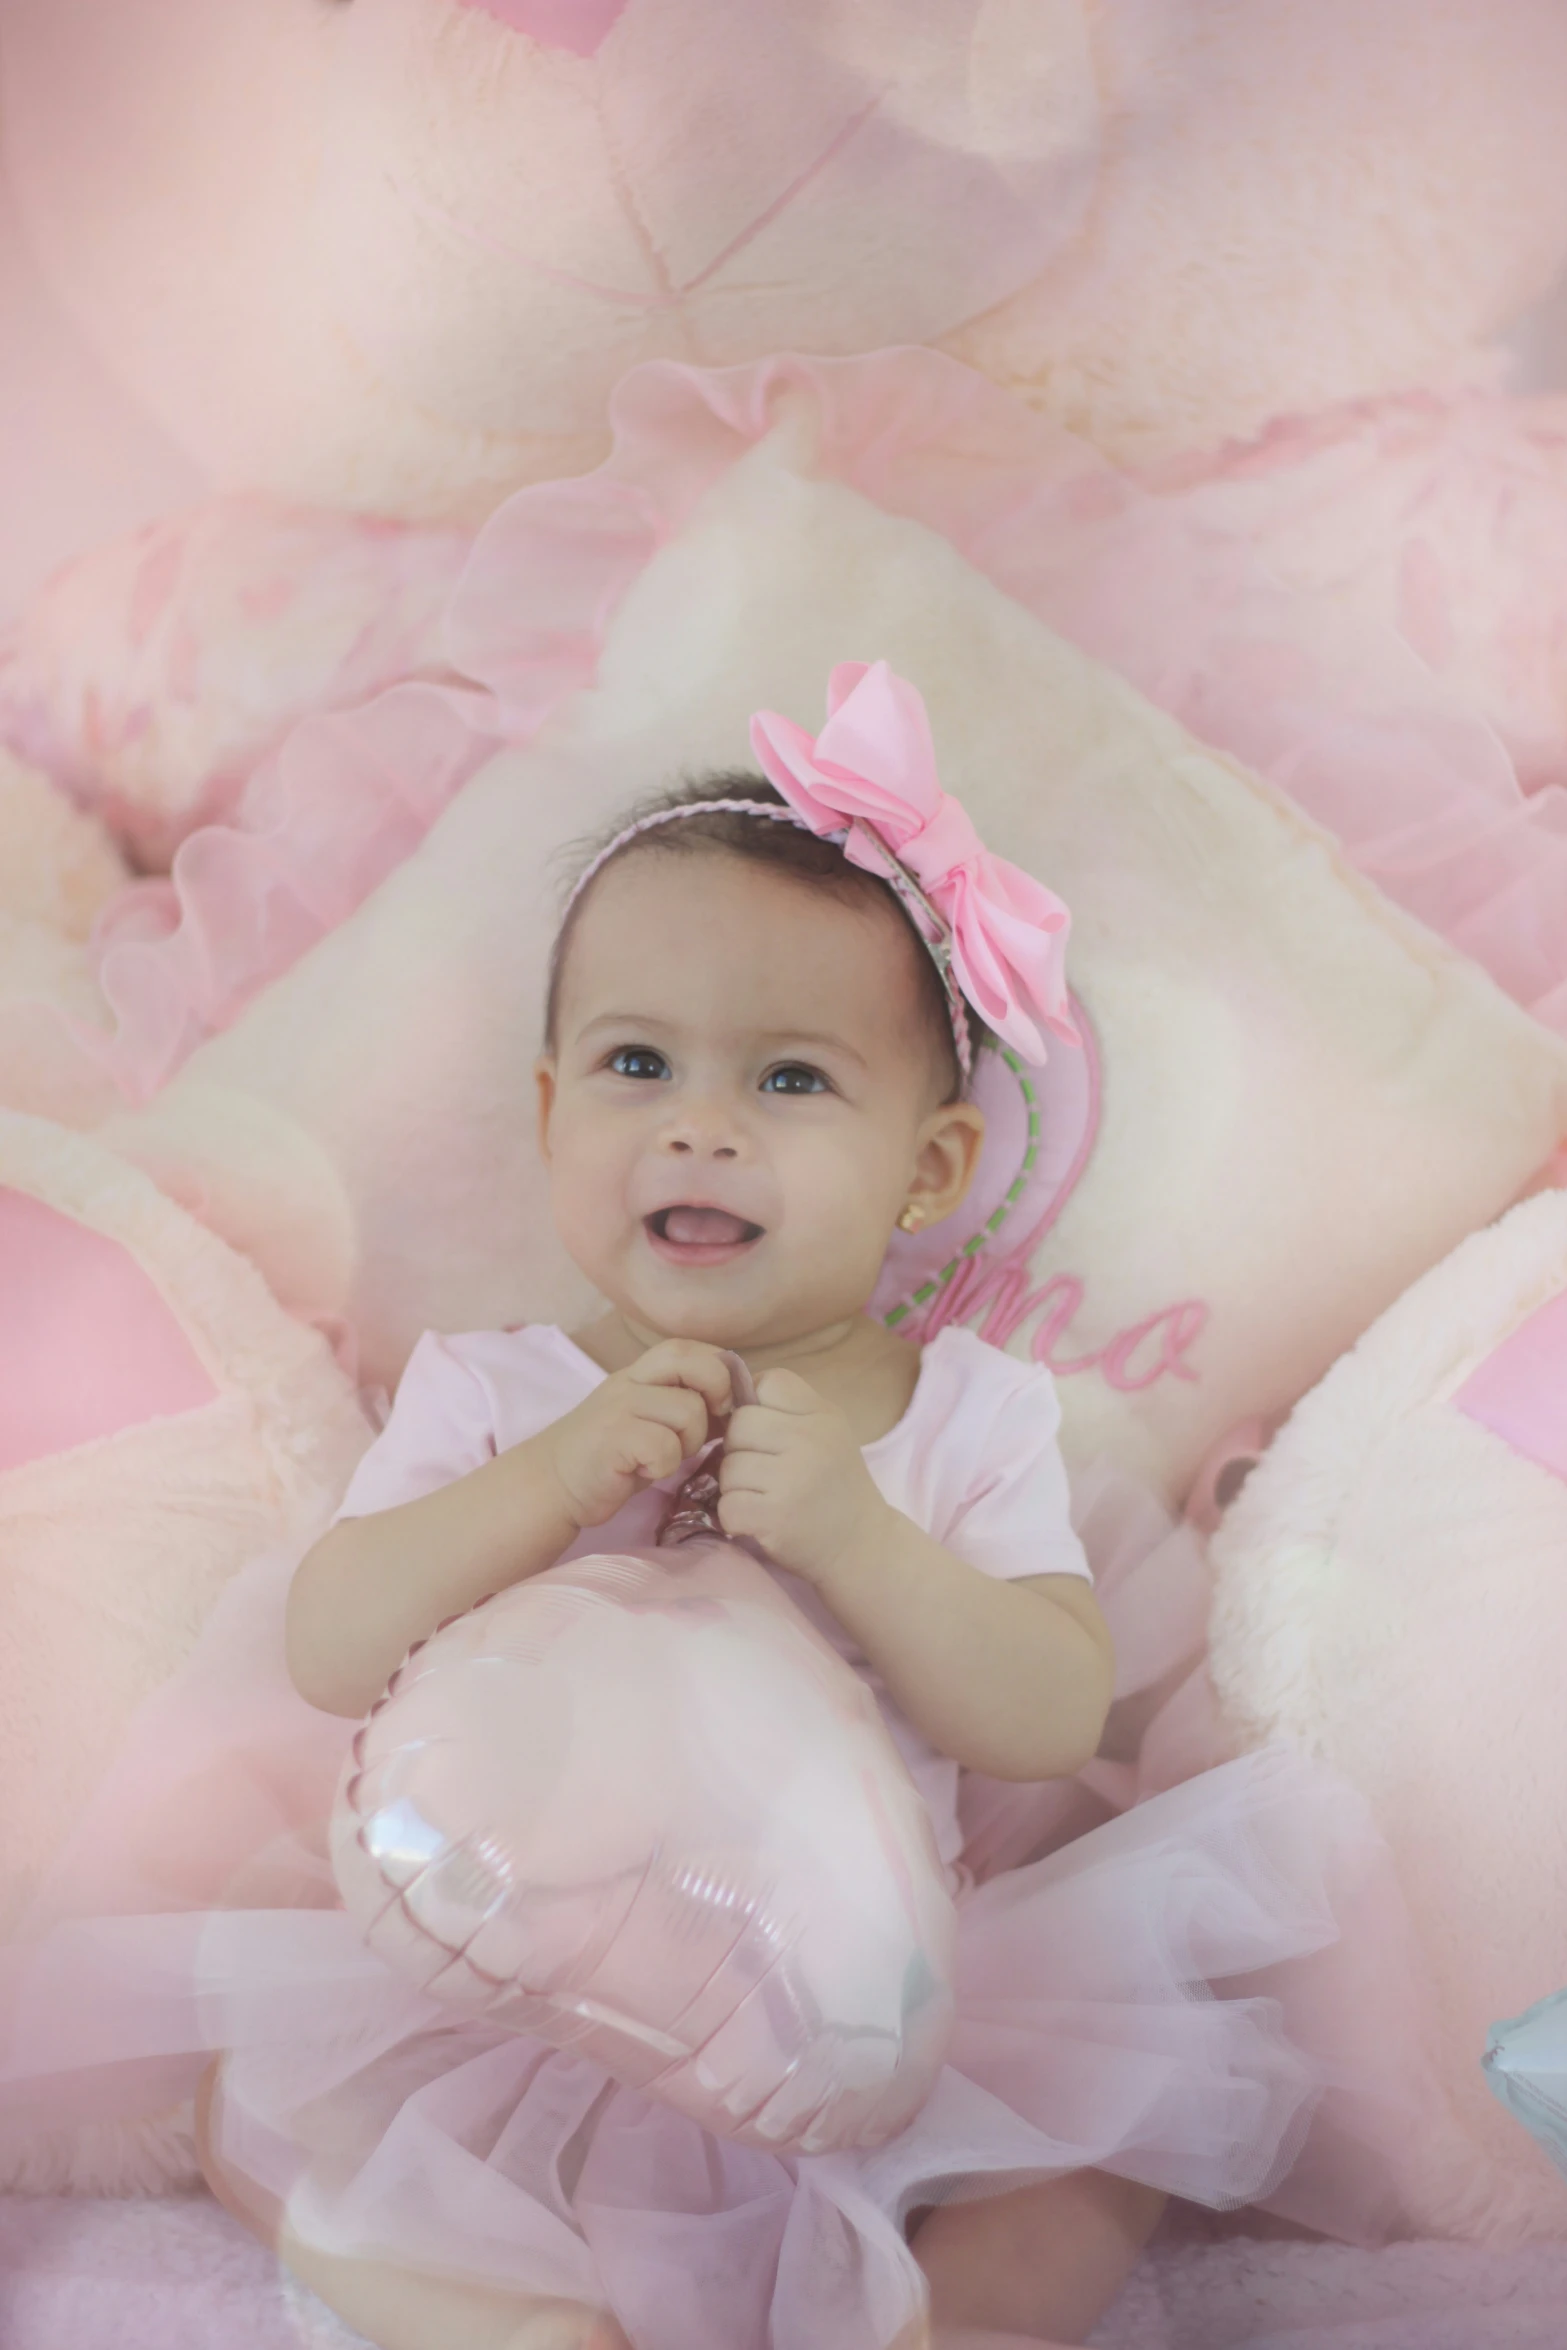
(786, 1391)
(652, 1452)
(678, 1408)
(687, 1362)
(741, 1472)
(757, 1427)
(741, 1514)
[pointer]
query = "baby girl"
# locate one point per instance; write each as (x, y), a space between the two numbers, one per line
(764, 1007)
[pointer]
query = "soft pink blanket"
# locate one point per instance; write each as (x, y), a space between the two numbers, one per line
(179, 2275)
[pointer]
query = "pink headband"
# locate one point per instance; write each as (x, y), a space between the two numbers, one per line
(868, 783)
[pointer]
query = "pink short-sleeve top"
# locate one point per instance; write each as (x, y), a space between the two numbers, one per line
(974, 1461)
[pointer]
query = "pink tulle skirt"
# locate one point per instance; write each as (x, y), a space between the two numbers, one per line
(1126, 2002)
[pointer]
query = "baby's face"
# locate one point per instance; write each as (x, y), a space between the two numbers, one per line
(742, 1098)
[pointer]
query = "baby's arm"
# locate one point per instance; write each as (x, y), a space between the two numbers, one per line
(1010, 1678)
(375, 1585)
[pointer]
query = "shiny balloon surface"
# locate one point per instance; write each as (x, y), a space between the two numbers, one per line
(639, 1808)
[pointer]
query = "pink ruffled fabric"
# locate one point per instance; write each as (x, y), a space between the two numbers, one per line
(348, 795)
(322, 822)
(152, 675)
(1443, 520)
(1318, 692)
(1435, 531)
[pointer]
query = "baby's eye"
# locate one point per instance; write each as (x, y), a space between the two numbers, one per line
(795, 1077)
(638, 1060)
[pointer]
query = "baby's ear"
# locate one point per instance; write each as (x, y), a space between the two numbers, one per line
(948, 1158)
(544, 1080)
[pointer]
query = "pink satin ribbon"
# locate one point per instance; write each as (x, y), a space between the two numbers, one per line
(873, 768)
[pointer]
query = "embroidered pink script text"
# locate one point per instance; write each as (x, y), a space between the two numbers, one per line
(1134, 1359)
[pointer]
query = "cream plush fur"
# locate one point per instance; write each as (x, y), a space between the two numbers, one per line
(59, 867)
(1390, 1595)
(394, 256)
(1307, 1099)
(114, 1551)
(58, 870)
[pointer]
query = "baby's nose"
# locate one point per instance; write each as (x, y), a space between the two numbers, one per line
(689, 1144)
(704, 1132)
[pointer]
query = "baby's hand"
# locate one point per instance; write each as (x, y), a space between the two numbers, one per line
(793, 1479)
(637, 1427)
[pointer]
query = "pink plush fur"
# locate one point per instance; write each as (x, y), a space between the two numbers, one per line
(395, 258)
(80, 461)
(179, 2274)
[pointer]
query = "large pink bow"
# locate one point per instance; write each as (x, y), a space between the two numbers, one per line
(874, 766)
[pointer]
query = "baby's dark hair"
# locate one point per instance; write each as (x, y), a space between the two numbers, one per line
(786, 849)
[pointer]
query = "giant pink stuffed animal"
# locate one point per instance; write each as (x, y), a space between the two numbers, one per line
(394, 255)
(1163, 228)
(1157, 227)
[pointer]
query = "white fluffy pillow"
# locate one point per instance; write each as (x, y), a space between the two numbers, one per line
(1306, 1098)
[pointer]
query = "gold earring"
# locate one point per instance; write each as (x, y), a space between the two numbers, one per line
(912, 1217)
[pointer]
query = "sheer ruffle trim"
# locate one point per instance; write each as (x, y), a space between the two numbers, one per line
(1329, 703)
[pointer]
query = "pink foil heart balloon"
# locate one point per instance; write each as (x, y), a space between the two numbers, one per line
(639, 1808)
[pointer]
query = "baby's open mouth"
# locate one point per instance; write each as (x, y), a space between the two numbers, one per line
(689, 1228)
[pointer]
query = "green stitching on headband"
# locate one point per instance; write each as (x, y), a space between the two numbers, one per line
(928, 1289)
